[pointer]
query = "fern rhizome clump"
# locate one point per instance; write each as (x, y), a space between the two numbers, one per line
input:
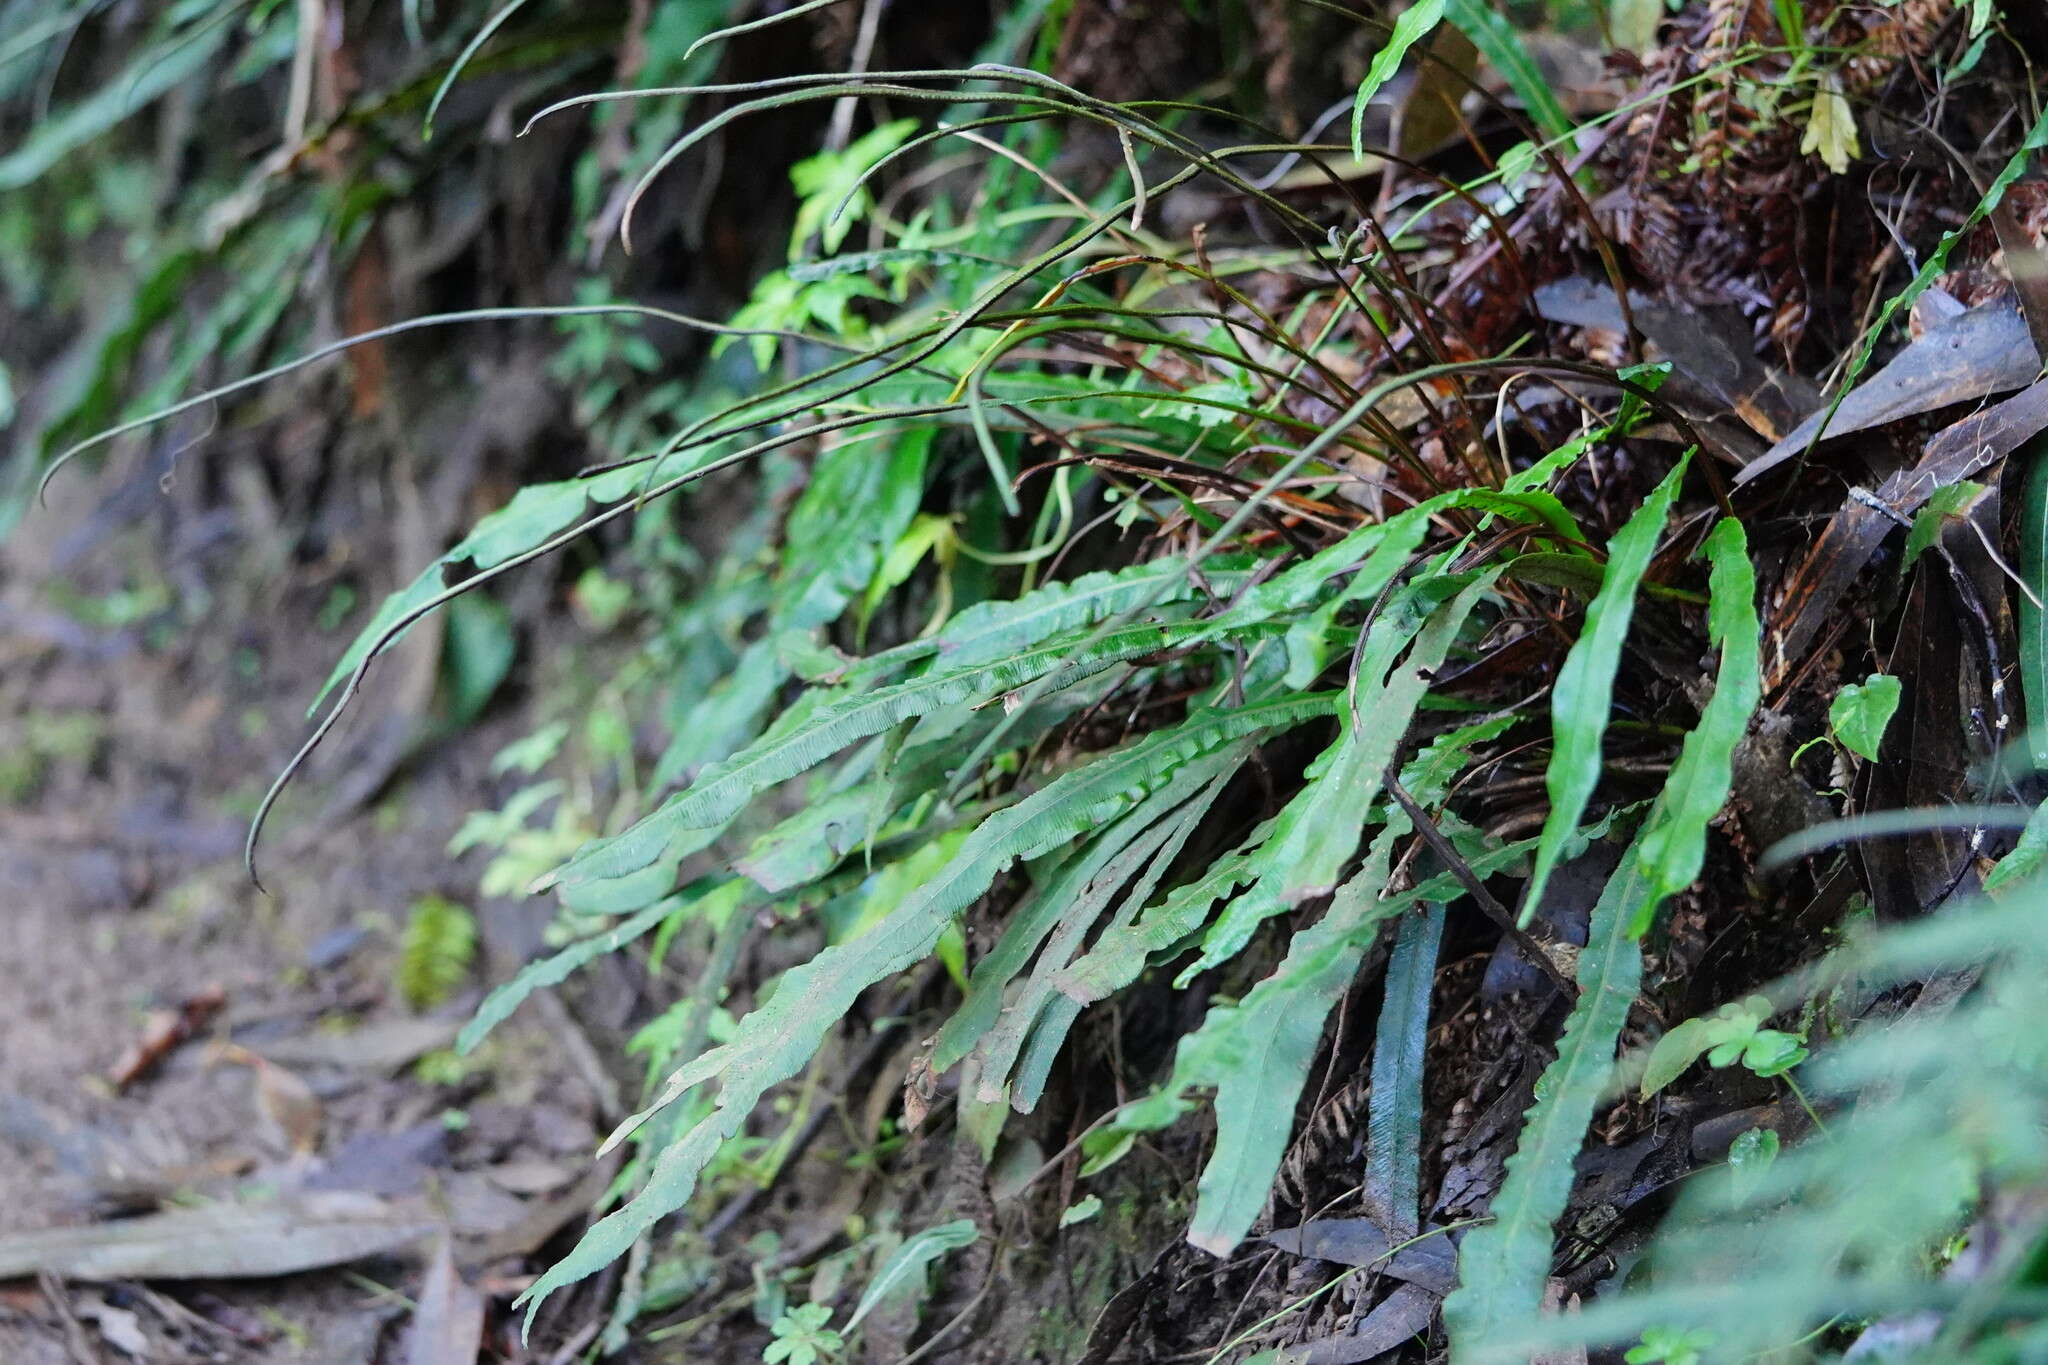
(1263, 675)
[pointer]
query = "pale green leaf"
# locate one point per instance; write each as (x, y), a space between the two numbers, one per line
(1861, 711)
(911, 1258)
(1633, 23)
(1081, 1211)
(1831, 128)
(785, 751)
(2026, 860)
(1504, 1265)
(1320, 829)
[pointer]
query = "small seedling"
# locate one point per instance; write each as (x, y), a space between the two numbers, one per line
(802, 1338)
(1670, 1346)
(1733, 1034)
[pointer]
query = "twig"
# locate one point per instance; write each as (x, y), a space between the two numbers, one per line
(1462, 870)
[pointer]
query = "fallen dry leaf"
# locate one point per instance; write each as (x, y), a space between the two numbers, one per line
(120, 1328)
(448, 1326)
(1983, 351)
(286, 1102)
(162, 1033)
(220, 1241)
(384, 1046)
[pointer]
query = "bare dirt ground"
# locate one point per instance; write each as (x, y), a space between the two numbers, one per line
(157, 650)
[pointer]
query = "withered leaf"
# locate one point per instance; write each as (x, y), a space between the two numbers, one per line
(1983, 351)
(448, 1326)
(220, 1241)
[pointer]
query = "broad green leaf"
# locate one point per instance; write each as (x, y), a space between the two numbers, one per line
(628, 894)
(1678, 1049)
(1861, 711)
(1584, 692)
(1944, 505)
(832, 178)
(916, 1252)
(780, 1037)
(1674, 845)
(2025, 861)
(1576, 572)
(1633, 23)
(1733, 1033)
(1081, 1211)
(476, 654)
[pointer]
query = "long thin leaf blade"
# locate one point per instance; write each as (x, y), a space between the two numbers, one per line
(1415, 24)
(1584, 692)
(1393, 1151)
(784, 752)
(915, 1253)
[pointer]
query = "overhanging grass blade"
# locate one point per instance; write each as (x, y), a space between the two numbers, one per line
(462, 60)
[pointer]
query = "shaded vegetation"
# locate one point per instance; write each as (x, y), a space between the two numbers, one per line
(1320, 731)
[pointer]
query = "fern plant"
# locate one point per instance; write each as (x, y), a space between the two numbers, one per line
(1148, 606)
(1269, 601)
